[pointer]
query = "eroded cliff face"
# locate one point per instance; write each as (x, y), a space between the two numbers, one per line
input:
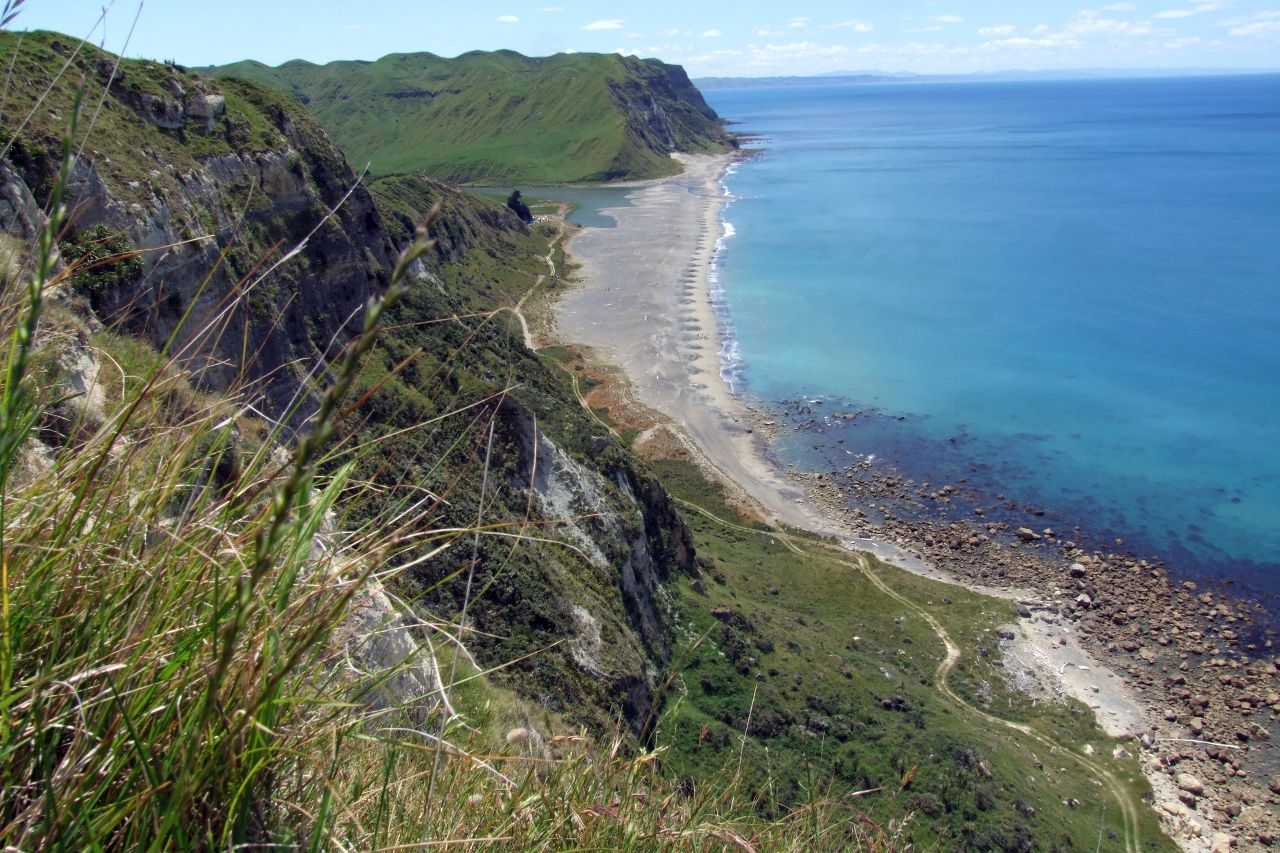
(663, 108)
(625, 528)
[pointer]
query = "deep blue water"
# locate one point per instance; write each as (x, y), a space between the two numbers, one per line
(1069, 290)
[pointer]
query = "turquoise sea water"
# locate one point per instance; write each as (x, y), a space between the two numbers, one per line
(1067, 293)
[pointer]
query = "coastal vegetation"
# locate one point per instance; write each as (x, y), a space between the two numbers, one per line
(517, 205)
(357, 568)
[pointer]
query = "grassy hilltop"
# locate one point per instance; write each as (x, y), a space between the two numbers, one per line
(501, 116)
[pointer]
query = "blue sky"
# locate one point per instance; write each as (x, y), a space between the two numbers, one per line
(709, 37)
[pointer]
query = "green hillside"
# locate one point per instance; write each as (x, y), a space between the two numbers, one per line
(503, 117)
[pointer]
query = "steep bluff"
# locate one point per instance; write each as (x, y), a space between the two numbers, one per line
(227, 190)
(504, 117)
(214, 182)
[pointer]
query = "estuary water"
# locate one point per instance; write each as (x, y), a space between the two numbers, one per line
(1066, 293)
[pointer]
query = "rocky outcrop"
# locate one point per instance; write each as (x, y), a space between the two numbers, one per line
(390, 665)
(20, 216)
(627, 529)
(259, 248)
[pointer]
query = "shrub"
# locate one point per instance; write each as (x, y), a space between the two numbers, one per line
(100, 260)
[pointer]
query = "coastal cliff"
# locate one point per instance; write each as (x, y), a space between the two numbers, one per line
(213, 183)
(503, 117)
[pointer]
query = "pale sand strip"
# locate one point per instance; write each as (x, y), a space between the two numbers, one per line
(645, 306)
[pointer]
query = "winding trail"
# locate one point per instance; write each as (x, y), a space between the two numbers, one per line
(529, 342)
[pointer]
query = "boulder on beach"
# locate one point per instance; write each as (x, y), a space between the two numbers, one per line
(1190, 784)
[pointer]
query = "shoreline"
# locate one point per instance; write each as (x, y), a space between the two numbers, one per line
(663, 333)
(645, 304)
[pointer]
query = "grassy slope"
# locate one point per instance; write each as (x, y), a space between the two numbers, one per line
(495, 116)
(522, 595)
(812, 653)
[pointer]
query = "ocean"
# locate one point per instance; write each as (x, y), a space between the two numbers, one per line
(1065, 295)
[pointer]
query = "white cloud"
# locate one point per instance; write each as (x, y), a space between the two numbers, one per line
(1262, 27)
(669, 32)
(1002, 30)
(765, 32)
(552, 9)
(936, 28)
(710, 34)
(507, 19)
(852, 24)
(1261, 24)
(947, 19)
(606, 24)
(1074, 35)
(799, 57)
(1089, 22)
(1200, 9)
(797, 23)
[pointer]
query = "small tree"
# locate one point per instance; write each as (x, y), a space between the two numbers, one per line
(518, 207)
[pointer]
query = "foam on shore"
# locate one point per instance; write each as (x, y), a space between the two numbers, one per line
(731, 364)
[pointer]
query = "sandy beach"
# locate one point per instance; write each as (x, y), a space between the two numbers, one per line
(643, 304)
